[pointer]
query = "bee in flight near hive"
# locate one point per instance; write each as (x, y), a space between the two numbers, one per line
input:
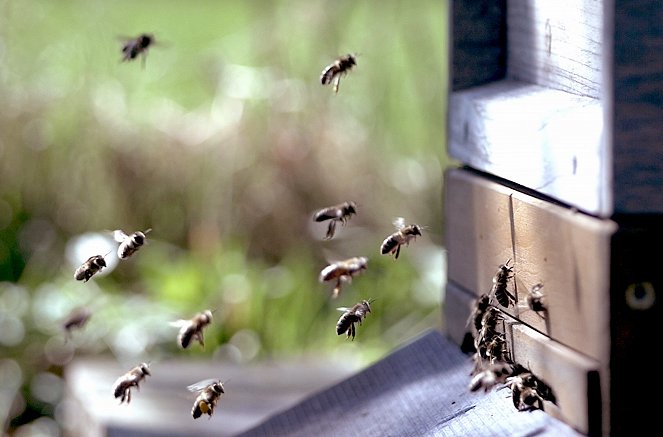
(486, 379)
(536, 300)
(352, 316)
(134, 47)
(343, 271)
(500, 282)
(89, 268)
(75, 320)
(340, 67)
(129, 244)
(337, 213)
(192, 329)
(403, 235)
(122, 386)
(210, 391)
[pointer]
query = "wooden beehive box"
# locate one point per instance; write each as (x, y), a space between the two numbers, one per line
(555, 119)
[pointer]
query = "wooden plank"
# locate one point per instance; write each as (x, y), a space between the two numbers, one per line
(543, 139)
(556, 44)
(487, 223)
(457, 307)
(478, 42)
(634, 102)
(573, 377)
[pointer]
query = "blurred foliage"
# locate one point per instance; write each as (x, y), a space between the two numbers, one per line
(224, 143)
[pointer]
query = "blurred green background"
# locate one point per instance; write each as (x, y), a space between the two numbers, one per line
(224, 144)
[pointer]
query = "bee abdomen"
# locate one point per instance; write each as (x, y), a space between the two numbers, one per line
(343, 324)
(328, 74)
(388, 245)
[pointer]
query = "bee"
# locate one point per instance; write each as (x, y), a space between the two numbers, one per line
(480, 307)
(89, 268)
(192, 329)
(340, 67)
(497, 373)
(123, 384)
(210, 392)
(343, 271)
(500, 281)
(337, 213)
(129, 244)
(403, 235)
(75, 320)
(488, 330)
(134, 47)
(356, 314)
(536, 300)
(527, 391)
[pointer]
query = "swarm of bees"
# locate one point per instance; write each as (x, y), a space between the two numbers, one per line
(340, 67)
(403, 235)
(337, 213)
(343, 271)
(209, 392)
(352, 316)
(192, 329)
(123, 385)
(493, 364)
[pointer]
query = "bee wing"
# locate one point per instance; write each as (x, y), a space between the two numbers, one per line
(200, 385)
(179, 323)
(399, 223)
(343, 309)
(119, 235)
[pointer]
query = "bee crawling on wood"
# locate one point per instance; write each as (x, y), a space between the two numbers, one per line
(351, 316)
(480, 307)
(528, 392)
(134, 47)
(403, 235)
(192, 329)
(343, 271)
(337, 213)
(89, 268)
(129, 244)
(210, 391)
(500, 282)
(75, 320)
(486, 379)
(123, 385)
(340, 67)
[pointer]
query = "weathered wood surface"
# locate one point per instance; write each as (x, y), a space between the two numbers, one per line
(568, 252)
(421, 389)
(556, 44)
(538, 137)
(478, 42)
(162, 406)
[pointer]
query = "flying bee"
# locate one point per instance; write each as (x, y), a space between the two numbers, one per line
(129, 244)
(134, 47)
(123, 384)
(210, 392)
(536, 300)
(192, 329)
(337, 213)
(343, 271)
(75, 320)
(403, 235)
(500, 281)
(89, 268)
(351, 316)
(334, 71)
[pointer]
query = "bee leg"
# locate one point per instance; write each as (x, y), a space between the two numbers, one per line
(337, 83)
(398, 251)
(330, 230)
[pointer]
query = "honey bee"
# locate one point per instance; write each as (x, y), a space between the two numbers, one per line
(89, 268)
(134, 47)
(343, 271)
(528, 392)
(488, 330)
(340, 67)
(536, 300)
(210, 392)
(192, 329)
(129, 244)
(403, 235)
(351, 316)
(480, 307)
(75, 320)
(337, 213)
(123, 384)
(500, 281)
(497, 373)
